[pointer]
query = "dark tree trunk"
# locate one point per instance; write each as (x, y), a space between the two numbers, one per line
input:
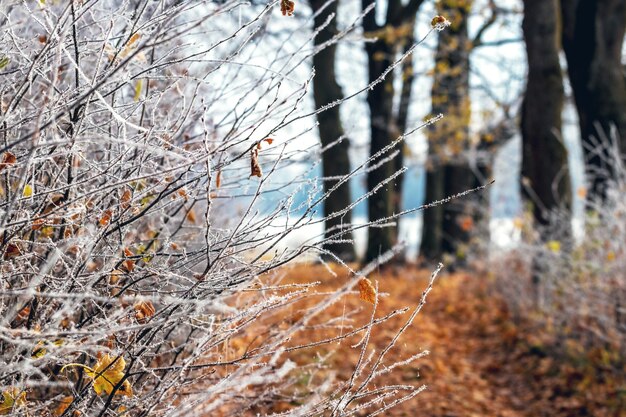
(545, 177)
(336, 161)
(384, 127)
(382, 130)
(593, 34)
(449, 172)
(407, 78)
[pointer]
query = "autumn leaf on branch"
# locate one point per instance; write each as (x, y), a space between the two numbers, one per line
(255, 167)
(367, 292)
(287, 7)
(107, 374)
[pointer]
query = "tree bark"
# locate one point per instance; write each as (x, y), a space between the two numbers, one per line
(545, 177)
(593, 35)
(335, 160)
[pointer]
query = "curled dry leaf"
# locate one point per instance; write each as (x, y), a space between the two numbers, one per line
(255, 167)
(268, 140)
(144, 310)
(106, 218)
(128, 264)
(287, 7)
(218, 179)
(8, 159)
(126, 197)
(367, 292)
(12, 251)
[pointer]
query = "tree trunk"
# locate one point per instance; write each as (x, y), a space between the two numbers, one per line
(545, 176)
(447, 227)
(336, 161)
(593, 34)
(380, 102)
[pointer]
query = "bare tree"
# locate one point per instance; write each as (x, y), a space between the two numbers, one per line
(382, 53)
(336, 160)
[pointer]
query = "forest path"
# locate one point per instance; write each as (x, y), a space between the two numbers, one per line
(480, 362)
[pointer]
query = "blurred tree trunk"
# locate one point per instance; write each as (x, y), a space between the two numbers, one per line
(384, 127)
(545, 177)
(336, 160)
(406, 95)
(448, 170)
(593, 35)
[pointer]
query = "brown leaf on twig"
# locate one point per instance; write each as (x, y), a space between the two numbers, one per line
(7, 159)
(367, 292)
(287, 7)
(218, 179)
(255, 168)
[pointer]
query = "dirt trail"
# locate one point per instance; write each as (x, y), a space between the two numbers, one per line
(479, 364)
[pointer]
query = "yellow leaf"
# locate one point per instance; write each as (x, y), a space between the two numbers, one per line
(12, 398)
(610, 256)
(367, 292)
(28, 190)
(138, 87)
(107, 373)
(554, 246)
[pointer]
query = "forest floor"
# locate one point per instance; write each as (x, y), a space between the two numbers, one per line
(481, 361)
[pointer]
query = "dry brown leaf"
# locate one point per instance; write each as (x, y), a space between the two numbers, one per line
(63, 405)
(287, 7)
(106, 217)
(218, 179)
(126, 197)
(268, 140)
(367, 292)
(144, 310)
(12, 251)
(255, 168)
(128, 264)
(191, 216)
(7, 159)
